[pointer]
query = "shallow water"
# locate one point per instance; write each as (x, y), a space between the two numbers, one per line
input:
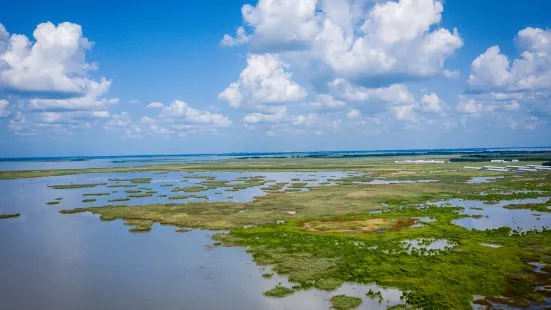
(482, 179)
(494, 215)
(54, 261)
(72, 198)
(386, 182)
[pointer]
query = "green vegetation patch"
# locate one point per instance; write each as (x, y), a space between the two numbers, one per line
(328, 284)
(52, 202)
(343, 302)
(121, 185)
(357, 225)
(189, 189)
(187, 197)
(96, 194)
(530, 206)
(133, 191)
(141, 180)
(89, 200)
(141, 195)
(118, 199)
(279, 291)
(139, 226)
(72, 186)
(167, 185)
(8, 216)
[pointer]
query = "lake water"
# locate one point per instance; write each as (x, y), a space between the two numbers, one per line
(490, 216)
(102, 162)
(54, 261)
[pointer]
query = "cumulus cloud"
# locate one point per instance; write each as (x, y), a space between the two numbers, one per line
(278, 116)
(155, 105)
(147, 120)
(385, 43)
(91, 101)
(119, 120)
(327, 102)
(180, 111)
(492, 71)
(240, 38)
(54, 65)
(263, 81)
(431, 103)
(133, 132)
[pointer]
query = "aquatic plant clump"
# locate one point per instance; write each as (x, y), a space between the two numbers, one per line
(52, 202)
(72, 186)
(8, 216)
(189, 189)
(343, 302)
(279, 291)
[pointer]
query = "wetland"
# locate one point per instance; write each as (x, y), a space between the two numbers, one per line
(293, 233)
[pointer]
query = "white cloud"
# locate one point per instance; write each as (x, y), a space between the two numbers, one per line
(404, 112)
(155, 105)
(279, 115)
(55, 64)
(393, 94)
(263, 81)
(161, 130)
(353, 114)
(494, 72)
(390, 42)
(3, 104)
(147, 120)
(72, 117)
(305, 120)
(451, 74)
(280, 24)
(119, 120)
(431, 103)
(180, 111)
(133, 132)
(88, 102)
(327, 102)
(240, 38)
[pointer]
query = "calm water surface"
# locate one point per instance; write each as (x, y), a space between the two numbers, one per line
(54, 261)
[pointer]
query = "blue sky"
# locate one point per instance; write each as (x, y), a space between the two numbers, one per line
(272, 75)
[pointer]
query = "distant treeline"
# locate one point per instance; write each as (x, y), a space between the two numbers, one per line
(547, 163)
(508, 156)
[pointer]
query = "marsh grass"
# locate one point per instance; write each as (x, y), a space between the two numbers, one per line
(141, 180)
(187, 197)
(189, 189)
(141, 195)
(133, 191)
(89, 200)
(343, 302)
(279, 291)
(121, 185)
(9, 216)
(72, 186)
(52, 202)
(96, 194)
(118, 199)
